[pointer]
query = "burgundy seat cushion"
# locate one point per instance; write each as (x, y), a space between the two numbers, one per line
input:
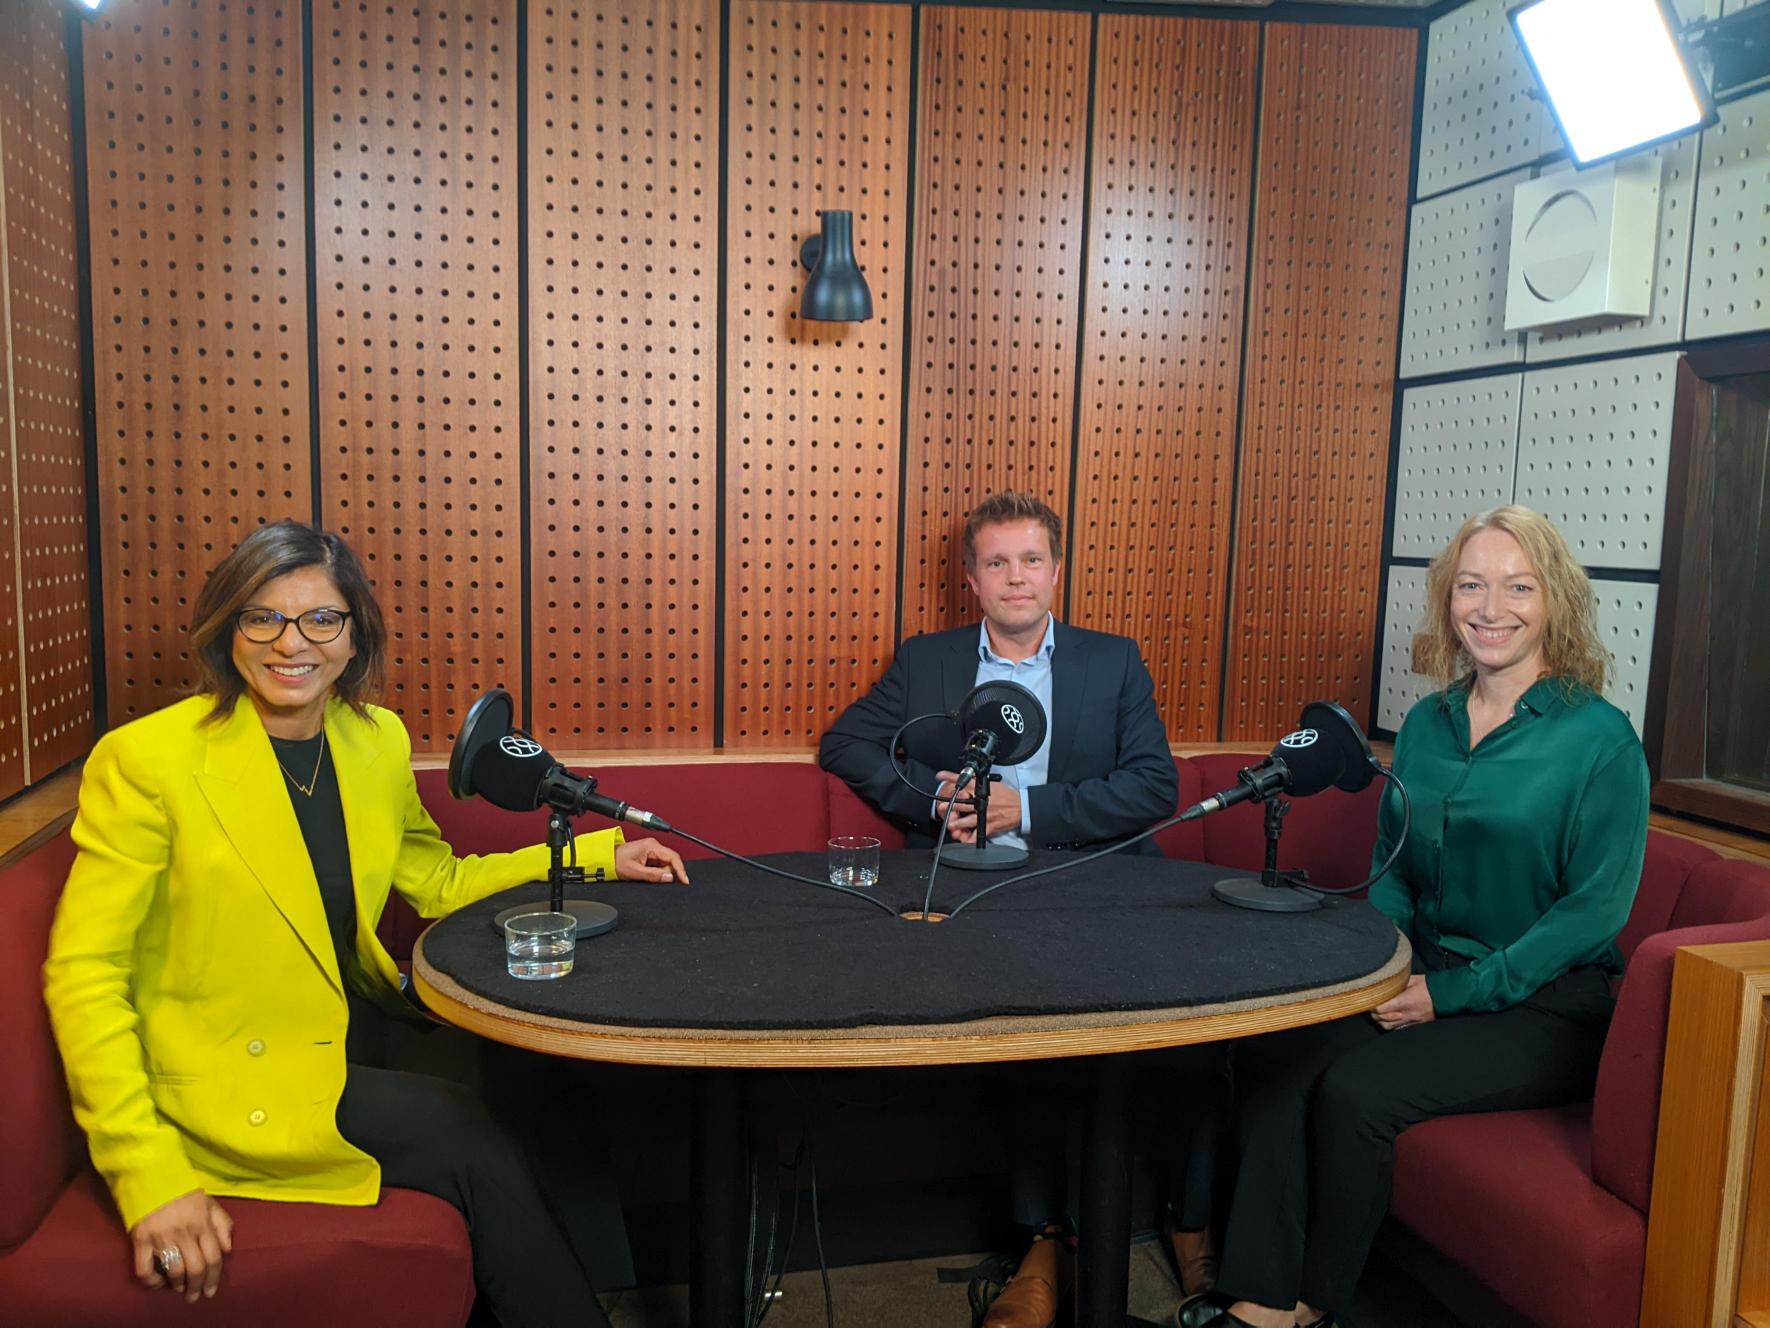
(851, 814)
(404, 1261)
(40, 1146)
(1330, 834)
(1509, 1195)
(1185, 841)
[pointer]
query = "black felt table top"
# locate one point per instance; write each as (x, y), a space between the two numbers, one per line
(740, 949)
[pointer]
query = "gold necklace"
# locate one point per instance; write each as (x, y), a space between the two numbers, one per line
(314, 779)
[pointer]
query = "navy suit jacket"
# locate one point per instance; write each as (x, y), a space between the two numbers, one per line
(1111, 774)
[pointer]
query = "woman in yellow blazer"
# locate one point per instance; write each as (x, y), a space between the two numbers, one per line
(216, 940)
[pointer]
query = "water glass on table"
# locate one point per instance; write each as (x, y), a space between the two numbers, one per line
(854, 861)
(540, 945)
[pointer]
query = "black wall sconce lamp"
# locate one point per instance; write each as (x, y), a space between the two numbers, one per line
(835, 292)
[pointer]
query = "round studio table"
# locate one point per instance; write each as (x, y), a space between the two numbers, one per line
(743, 971)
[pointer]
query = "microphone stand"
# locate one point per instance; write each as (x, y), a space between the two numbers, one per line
(1272, 891)
(594, 917)
(983, 855)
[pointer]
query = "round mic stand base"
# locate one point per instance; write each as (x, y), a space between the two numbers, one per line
(594, 917)
(982, 857)
(1252, 892)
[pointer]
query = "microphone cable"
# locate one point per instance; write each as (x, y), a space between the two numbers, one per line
(1156, 829)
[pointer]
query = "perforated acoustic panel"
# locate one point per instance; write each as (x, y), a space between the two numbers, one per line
(1730, 256)
(819, 118)
(194, 179)
(1677, 194)
(1593, 447)
(1459, 443)
(1625, 618)
(999, 179)
(1403, 610)
(1457, 253)
(623, 299)
(14, 108)
(415, 217)
(43, 305)
(1478, 117)
(1336, 122)
(1167, 257)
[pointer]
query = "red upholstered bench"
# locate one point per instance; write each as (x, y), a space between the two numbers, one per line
(64, 1259)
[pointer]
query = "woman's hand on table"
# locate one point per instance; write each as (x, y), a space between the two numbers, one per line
(1411, 1005)
(192, 1234)
(648, 860)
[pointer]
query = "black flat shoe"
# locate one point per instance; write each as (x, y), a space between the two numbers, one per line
(1206, 1308)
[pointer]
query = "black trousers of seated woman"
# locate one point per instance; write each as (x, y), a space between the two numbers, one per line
(1321, 1106)
(437, 1136)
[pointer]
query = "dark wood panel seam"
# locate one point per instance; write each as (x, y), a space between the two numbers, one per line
(76, 44)
(1075, 393)
(310, 243)
(907, 317)
(524, 479)
(721, 337)
(1241, 389)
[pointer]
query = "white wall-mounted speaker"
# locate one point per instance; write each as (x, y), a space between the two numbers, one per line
(1583, 244)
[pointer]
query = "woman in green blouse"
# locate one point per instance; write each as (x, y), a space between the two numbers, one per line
(1529, 825)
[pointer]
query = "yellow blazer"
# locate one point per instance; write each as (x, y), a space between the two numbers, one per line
(191, 979)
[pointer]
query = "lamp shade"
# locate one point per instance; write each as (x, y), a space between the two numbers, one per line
(835, 292)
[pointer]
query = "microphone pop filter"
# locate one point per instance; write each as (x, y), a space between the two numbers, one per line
(488, 719)
(491, 760)
(1326, 750)
(1009, 711)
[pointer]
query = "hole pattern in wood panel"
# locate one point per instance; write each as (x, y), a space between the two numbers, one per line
(1000, 166)
(1167, 256)
(44, 304)
(624, 146)
(1327, 273)
(199, 326)
(415, 215)
(15, 94)
(819, 105)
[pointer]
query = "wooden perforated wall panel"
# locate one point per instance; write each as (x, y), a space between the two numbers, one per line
(194, 182)
(43, 306)
(623, 330)
(819, 103)
(1001, 157)
(15, 113)
(1167, 261)
(415, 215)
(1331, 216)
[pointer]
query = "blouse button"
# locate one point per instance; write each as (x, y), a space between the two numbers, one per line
(255, 1047)
(256, 1118)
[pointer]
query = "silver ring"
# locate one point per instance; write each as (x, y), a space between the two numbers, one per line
(168, 1260)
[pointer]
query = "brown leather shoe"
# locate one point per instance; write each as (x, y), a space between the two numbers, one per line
(1033, 1295)
(1195, 1257)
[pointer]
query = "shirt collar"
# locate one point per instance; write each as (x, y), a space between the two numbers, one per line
(1542, 696)
(1046, 646)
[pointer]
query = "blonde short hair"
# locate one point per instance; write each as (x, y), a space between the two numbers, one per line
(1573, 650)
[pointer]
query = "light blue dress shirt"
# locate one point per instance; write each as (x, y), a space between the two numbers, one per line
(1034, 674)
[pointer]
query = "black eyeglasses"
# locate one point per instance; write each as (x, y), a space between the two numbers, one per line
(263, 626)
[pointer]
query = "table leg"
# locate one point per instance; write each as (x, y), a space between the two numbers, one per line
(1103, 1253)
(719, 1201)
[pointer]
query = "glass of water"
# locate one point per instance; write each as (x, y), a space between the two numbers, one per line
(854, 861)
(540, 945)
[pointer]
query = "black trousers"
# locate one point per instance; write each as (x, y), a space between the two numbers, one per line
(1321, 1107)
(435, 1136)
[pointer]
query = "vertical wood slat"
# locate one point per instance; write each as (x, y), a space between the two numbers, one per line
(819, 118)
(1167, 257)
(416, 270)
(623, 296)
(1000, 161)
(44, 302)
(1329, 250)
(194, 182)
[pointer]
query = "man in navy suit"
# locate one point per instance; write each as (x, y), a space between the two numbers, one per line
(1104, 772)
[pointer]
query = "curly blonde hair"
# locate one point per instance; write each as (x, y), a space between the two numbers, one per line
(1573, 650)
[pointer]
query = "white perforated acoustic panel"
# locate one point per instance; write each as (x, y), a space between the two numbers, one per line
(1662, 326)
(1458, 445)
(1734, 6)
(1730, 256)
(1625, 618)
(1400, 686)
(1478, 117)
(1457, 253)
(1592, 454)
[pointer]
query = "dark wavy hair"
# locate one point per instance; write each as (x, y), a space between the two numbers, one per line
(1010, 506)
(267, 553)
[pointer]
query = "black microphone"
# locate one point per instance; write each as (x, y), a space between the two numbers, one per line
(576, 794)
(1004, 724)
(1328, 749)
